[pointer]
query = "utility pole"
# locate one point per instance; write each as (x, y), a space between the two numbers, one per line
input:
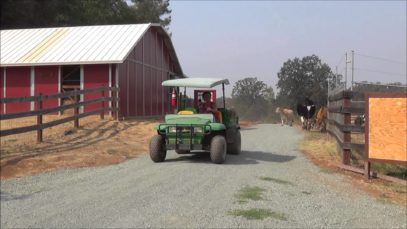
(353, 68)
(336, 74)
(346, 70)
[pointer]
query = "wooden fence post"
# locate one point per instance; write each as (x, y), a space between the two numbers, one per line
(116, 101)
(39, 120)
(346, 134)
(367, 169)
(113, 102)
(102, 114)
(76, 109)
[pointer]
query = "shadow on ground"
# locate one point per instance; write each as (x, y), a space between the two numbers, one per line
(244, 158)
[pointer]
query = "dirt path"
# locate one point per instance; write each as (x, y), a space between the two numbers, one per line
(270, 184)
(97, 142)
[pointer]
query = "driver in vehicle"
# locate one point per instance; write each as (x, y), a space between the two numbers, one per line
(207, 106)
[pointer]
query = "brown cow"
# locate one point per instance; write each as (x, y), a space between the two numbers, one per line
(322, 115)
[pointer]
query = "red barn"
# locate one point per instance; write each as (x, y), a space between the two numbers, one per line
(136, 58)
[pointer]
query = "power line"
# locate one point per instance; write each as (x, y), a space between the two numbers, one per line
(381, 58)
(340, 60)
(378, 71)
(387, 85)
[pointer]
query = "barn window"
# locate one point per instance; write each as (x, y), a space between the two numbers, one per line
(71, 80)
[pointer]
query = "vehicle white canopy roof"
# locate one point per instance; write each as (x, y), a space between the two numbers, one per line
(195, 82)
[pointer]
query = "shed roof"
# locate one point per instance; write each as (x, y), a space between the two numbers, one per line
(75, 45)
(195, 82)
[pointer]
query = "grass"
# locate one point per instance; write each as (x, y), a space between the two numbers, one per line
(327, 170)
(398, 171)
(322, 149)
(279, 181)
(320, 146)
(250, 193)
(258, 214)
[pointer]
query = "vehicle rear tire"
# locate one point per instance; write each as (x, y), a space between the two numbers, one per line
(235, 147)
(157, 149)
(182, 151)
(218, 149)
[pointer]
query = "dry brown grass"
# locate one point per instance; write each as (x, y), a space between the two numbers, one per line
(97, 142)
(321, 149)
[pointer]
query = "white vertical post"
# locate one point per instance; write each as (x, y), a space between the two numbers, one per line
(144, 79)
(59, 87)
(353, 66)
(81, 110)
(110, 85)
(337, 76)
(346, 70)
(32, 87)
(117, 86)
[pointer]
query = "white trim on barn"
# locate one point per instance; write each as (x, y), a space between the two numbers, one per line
(144, 79)
(128, 88)
(81, 87)
(59, 87)
(117, 84)
(110, 85)
(32, 86)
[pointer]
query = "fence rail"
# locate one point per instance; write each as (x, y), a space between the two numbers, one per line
(40, 111)
(340, 110)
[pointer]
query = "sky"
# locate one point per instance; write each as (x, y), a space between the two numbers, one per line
(238, 39)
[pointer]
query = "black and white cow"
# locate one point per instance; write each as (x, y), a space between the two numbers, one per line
(306, 110)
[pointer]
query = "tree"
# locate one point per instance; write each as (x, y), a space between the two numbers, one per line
(156, 11)
(250, 91)
(55, 13)
(252, 98)
(306, 77)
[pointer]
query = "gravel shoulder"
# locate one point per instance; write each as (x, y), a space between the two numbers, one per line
(190, 191)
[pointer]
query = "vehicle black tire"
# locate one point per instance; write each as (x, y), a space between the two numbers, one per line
(182, 151)
(236, 146)
(218, 149)
(157, 149)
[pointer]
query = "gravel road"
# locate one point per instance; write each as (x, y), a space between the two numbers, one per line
(190, 191)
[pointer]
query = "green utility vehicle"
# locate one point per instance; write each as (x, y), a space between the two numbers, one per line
(188, 131)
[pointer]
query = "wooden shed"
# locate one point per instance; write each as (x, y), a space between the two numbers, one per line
(136, 58)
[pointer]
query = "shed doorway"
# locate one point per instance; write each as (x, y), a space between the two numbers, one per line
(70, 80)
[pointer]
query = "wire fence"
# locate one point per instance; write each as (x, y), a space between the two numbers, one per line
(367, 73)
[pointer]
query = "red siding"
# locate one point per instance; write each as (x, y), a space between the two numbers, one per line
(46, 82)
(123, 88)
(139, 89)
(140, 77)
(18, 85)
(1, 89)
(95, 76)
(132, 92)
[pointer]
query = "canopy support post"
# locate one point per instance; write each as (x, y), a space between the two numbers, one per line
(223, 90)
(185, 97)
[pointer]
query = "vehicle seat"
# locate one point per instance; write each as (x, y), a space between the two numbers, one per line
(187, 111)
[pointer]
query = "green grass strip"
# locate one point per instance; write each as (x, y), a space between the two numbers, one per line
(258, 214)
(250, 193)
(276, 180)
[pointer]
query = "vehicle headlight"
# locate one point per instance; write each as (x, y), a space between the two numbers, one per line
(198, 130)
(172, 129)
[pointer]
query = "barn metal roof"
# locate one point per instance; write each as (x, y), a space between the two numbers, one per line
(195, 82)
(74, 45)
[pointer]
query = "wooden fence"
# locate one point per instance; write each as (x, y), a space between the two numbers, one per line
(341, 107)
(39, 111)
(340, 110)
